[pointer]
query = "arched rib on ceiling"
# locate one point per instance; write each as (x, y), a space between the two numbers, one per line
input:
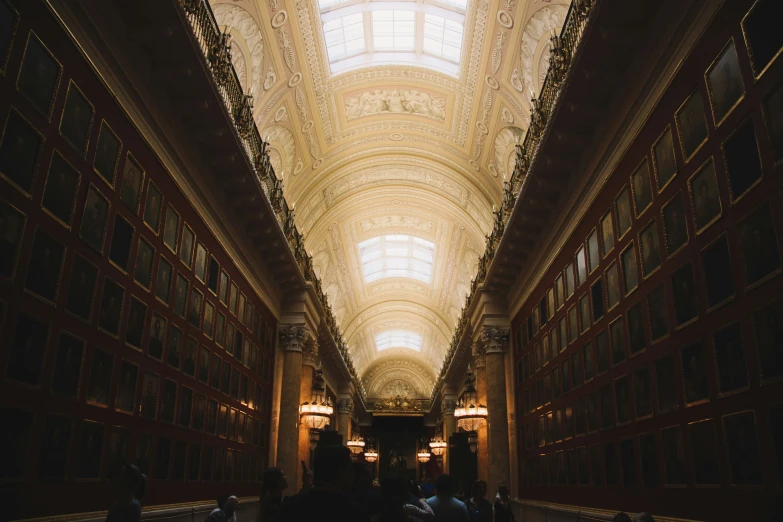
(401, 369)
(428, 170)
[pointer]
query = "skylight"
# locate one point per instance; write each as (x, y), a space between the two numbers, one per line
(344, 36)
(442, 37)
(398, 339)
(459, 4)
(393, 30)
(396, 256)
(425, 33)
(326, 4)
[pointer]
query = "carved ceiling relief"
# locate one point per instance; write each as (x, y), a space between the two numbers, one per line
(283, 149)
(395, 101)
(505, 150)
(408, 222)
(540, 26)
(388, 370)
(240, 64)
(242, 21)
(398, 387)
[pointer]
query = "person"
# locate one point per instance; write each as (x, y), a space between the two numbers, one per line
(129, 486)
(428, 488)
(621, 517)
(394, 501)
(271, 500)
(332, 477)
(364, 491)
(503, 511)
(226, 510)
(479, 508)
(417, 508)
(307, 481)
(444, 505)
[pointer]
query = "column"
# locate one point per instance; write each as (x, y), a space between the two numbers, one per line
(447, 406)
(309, 362)
(292, 339)
(512, 424)
(482, 454)
(495, 341)
(277, 384)
(344, 412)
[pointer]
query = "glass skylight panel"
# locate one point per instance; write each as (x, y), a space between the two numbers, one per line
(396, 255)
(442, 37)
(344, 36)
(398, 339)
(393, 30)
(459, 4)
(325, 4)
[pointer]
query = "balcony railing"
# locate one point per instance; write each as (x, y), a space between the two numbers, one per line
(216, 47)
(562, 51)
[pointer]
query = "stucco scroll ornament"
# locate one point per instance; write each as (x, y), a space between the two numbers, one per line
(479, 355)
(288, 51)
(506, 116)
(293, 337)
(495, 339)
(270, 79)
(497, 52)
(516, 80)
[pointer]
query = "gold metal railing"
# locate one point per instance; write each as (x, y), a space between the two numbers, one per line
(563, 49)
(216, 46)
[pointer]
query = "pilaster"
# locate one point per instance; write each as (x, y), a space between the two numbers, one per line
(491, 332)
(291, 339)
(447, 406)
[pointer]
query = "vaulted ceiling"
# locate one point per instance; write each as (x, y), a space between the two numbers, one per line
(392, 126)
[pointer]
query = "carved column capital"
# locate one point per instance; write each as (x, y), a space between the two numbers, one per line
(345, 406)
(310, 354)
(479, 355)
(495, 339)
(448, 406)
(293, 337)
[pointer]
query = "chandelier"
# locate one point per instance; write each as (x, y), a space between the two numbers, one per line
(423, 456)
(371, 455)
(469, 413)
(438, 446)
(317, 413)
(356, 444)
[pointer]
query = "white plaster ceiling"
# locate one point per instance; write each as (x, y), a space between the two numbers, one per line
(393, 149)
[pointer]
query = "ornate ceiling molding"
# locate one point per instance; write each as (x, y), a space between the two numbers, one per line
(394, 101)
(538, 29)
(393, 150)
(242, 21)
(390, 370)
